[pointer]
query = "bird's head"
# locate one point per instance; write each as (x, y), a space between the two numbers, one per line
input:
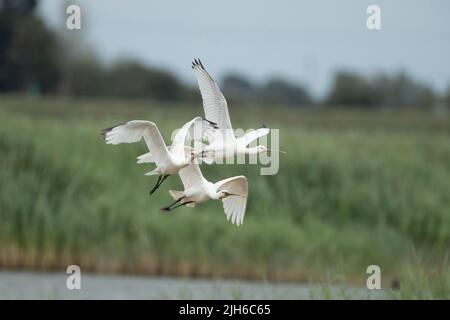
(261, 149)
(224, 194)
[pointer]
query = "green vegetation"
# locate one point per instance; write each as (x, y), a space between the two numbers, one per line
(354, 189)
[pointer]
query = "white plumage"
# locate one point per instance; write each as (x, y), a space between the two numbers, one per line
(233, 193)
(168, 160)
(179, 158)
(223, 142)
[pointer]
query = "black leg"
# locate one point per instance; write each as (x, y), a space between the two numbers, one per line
(159, 183)
(164, 178)
(181, 204)
(156, 185)
(168, 208)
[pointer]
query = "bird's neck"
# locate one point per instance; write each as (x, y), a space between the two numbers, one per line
(213, 193)
(251, 150)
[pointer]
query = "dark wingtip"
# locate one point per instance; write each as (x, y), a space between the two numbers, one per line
(103, 132)
(197, 63)
(212, 123)
(209, 121)
(263, 126)
(201, 64)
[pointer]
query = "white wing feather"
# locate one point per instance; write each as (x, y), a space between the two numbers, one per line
(234, 206)
(188, 131)
(145, 158)
(191, 176)
(253, 135)
(214, 103)
(134, 131)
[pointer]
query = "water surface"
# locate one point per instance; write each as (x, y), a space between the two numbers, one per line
(43, 285)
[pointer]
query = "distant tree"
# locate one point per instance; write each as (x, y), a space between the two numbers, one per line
(87, 77)
(28, 49)
(382, 90)
(237, 88)
(280, 91)
(128, 79)
(426, 99)
(132, 79)
(33, 56)
(17, 7)
(350, 89)
(400, 90)
(447, 98)
(165, 86)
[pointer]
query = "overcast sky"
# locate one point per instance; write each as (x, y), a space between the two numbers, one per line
(304, 41)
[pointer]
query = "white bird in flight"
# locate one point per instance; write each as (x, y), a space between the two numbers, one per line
(233, 193)
(179, 158)
(168, 160)
(223, 143)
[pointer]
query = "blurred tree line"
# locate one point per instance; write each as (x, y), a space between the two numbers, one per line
(382, 90)
(28, 50)
(35, 60)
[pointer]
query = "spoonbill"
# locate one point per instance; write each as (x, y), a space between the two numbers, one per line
(222, 142)
(168, 160)
(233, 193)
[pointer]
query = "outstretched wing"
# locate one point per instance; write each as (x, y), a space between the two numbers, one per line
(196, 128)
(234, 205)
(134, 131)
(214, 103)
(253, 135)
(191, 176)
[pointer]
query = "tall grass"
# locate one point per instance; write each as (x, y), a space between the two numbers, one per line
(345, 197)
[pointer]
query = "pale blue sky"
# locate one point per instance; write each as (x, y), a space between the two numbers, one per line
(305, 41)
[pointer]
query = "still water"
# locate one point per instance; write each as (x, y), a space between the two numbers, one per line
(37, 285)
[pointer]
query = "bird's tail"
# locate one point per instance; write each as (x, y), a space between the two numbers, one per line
(153, 172)
(176, 194)
(145, 158)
